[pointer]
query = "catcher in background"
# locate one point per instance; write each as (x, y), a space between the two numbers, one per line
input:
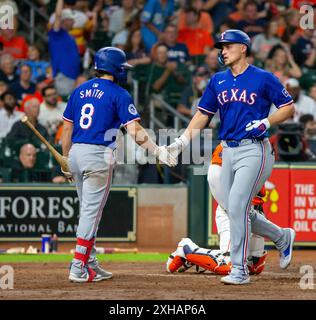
(218, 261)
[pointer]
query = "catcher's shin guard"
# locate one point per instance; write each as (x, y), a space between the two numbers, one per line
(174, 263)
(208, 261)
(256, 264)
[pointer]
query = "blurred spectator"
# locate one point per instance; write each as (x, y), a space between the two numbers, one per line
(23, 169)
(83, 23)
(7, 69)
(135, 49)
(303, 103)
(24, 85)
(290, 30)
(3, 88)
(205, 21)
(20, 131)
(197, 40)
(101, 35)
(120, 39)
(81, 79)
(251, 24)
(281, 63)
(218, 10)
(166, 74)
(308, 79)
(13, 44)
(312, 92)
(121, 15)
(38, 66)
(264, 42)
(64, 52)
(177, 52)
(238, 14)
(310, 130)
(304, 50)
(8, 114)
(211, 62)
(155, 16)
(191, 95)
(51, 110)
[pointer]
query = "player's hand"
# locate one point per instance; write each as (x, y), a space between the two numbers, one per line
(258, 128)
(178, 146)
(66, 173)
(165, 157)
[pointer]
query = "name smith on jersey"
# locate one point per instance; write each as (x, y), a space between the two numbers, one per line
(91, 93)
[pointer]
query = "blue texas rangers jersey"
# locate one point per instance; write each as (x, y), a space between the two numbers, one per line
(96, 107)
(242, 99)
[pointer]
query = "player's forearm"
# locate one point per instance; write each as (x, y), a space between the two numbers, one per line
(198, 122)
(141, 137)
(281, 115)
(58, 11)
(66, 138)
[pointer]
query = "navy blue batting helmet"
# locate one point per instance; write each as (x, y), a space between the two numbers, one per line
(232, 36)
(113, 61)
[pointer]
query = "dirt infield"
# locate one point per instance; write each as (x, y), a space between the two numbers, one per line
(142, 281)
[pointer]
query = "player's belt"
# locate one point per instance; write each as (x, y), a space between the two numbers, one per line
(243, 142)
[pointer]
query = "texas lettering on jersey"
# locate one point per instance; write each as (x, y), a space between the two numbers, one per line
(233, 95)
(241, 99)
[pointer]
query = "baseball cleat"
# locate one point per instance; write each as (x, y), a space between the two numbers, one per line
(88, 275)
(230, 279)
(286, 255)
(102, 273)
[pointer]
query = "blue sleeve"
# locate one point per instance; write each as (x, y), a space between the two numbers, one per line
(275, 92)
(126, 109)
(208, 103)
(148, 11)
(68, 114)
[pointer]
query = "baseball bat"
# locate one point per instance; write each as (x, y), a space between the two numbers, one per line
(59, 158)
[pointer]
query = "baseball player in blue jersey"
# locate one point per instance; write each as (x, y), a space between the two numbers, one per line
(94, 109)
(243, 95)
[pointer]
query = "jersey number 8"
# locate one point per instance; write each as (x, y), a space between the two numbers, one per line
(86, 117)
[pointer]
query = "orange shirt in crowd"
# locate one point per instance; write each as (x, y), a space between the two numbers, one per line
(205, 22)
(217, 159)
(197, 40)
(236, 16)
(17, 47)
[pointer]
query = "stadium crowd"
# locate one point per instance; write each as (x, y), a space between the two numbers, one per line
(169, 43)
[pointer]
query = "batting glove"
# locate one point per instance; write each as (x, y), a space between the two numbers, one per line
(258, 128)
(178, 146)
(165, 157)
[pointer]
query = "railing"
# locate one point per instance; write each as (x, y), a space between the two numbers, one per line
(29, 24)
(154, 122)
